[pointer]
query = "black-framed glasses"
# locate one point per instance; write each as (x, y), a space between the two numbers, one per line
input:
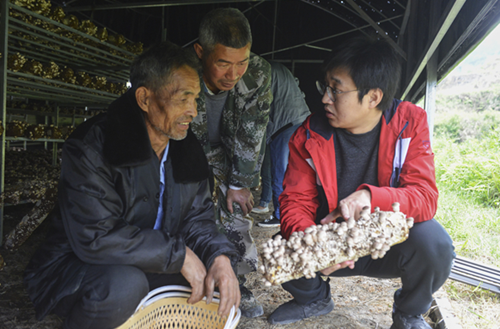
(322, 88)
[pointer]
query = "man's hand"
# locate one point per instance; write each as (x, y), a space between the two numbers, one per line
(350, 206)
(331, 269)
(194, 272)
(221, 275)
(243, 197)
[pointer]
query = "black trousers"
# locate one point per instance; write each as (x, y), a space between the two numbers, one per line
(423, 262)
(109, 295)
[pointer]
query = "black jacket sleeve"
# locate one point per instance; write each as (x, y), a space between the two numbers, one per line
(200, 231)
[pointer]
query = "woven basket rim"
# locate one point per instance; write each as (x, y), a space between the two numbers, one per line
(166, 296)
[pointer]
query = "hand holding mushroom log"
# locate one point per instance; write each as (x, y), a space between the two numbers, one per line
(349, 207)
(320, 247)
(336, 267)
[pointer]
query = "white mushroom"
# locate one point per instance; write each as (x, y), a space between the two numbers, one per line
(309, 230)
(308, 239)
(322, 236)
(381, 218)
(351, 222)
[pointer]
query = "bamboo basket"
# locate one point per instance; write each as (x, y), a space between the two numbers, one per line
(166, 307)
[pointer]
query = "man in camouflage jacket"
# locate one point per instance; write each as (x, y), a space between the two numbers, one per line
(243, 126)
(233, 112)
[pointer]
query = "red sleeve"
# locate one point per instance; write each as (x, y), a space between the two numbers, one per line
(298, 201)
(417, 192)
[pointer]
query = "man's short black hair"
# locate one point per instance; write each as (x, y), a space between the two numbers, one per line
(153, 68)
(226, 26)
(371, 63)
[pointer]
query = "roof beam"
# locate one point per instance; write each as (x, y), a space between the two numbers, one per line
(325, 38)
(405, 20)
(316, 47)
(275, 25)
(443, 28)
(329, 12)
(485, 11)
(376, 27)
(313, 41)
(379, 13)
(150, 4)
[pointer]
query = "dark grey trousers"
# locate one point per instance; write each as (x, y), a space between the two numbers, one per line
(423, 262)
(109, 295)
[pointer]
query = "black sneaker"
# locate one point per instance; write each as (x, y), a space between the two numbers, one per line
(249, 306)
(291, 311)
(270, 222)
(406, 321)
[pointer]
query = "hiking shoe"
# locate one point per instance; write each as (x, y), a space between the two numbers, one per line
(292, 312)
(270, 222)
(260, 210)
(249, 306)
(406, 321)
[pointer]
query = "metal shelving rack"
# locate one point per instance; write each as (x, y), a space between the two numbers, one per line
(57, 91)
(81, 53)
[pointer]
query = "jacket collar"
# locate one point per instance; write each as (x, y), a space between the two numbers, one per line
(391, 111)
(126, 140)
(319, 124)
(127, 143)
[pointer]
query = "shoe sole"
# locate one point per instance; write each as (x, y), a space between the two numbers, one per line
(260, 211)
(395, 327)
(266, 225)
(324, 311)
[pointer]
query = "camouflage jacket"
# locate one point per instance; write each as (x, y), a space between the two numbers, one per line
(243, 126)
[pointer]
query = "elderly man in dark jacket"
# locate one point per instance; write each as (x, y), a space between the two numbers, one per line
(134, 209)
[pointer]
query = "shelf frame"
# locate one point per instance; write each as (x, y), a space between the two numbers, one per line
(4, 34)
(88, 54)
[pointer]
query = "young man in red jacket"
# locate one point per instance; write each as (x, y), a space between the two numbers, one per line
(366, 149)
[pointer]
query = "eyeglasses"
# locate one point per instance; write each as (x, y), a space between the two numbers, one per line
(322, 88)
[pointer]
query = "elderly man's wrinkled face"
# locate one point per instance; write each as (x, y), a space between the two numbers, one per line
(224, 66)
(173, 107)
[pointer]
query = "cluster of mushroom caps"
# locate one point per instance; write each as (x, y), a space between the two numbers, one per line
(321, 246)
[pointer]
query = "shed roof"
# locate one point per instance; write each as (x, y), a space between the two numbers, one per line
(301, 33)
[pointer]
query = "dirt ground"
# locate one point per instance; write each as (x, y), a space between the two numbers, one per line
(359, 302)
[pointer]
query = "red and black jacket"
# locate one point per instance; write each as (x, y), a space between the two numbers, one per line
(406, 171)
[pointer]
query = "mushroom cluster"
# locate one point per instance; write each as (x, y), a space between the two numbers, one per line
(321, 246)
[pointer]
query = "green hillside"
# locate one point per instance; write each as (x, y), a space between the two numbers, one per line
(471, 88)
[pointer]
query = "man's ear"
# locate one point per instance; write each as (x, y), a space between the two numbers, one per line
(143, 97)
(376, 96)
(199, 50)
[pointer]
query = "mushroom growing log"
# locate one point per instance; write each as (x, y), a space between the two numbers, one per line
(321, 246)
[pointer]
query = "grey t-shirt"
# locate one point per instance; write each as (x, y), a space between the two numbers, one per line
(356, 157)
(214, 105)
